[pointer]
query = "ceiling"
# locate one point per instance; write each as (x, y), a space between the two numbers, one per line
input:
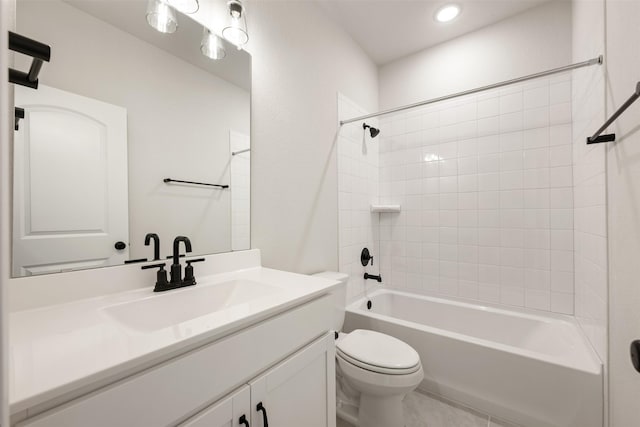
(390, 29)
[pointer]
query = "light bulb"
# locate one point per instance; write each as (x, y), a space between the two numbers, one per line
(161, 16)
(211, 45)
(447, 13)
(236, 31)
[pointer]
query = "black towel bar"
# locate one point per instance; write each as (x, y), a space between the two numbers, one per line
(40, 53)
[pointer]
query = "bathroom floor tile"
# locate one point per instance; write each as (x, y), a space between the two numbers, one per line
(422, 410)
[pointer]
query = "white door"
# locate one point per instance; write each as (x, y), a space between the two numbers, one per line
(231, 411)
(298, 392)
(70, 183)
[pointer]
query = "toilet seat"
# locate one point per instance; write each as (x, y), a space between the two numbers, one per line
(378, 353)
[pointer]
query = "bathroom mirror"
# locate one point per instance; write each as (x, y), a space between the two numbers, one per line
(120, 108)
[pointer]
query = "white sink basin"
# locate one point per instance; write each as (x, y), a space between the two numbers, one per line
(176, 306)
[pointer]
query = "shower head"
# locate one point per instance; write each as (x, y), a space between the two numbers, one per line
(373, 131)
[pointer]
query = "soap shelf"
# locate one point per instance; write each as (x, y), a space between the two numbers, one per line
(385, 208)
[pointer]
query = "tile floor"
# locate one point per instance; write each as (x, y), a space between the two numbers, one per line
(425, 410)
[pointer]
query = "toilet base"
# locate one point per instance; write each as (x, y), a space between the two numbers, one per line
(381, 411)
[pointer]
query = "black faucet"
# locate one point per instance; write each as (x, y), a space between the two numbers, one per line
(156, 244)
(377, 278)
(176, 267)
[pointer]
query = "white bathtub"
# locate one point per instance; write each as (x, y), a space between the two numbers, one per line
(530, 369)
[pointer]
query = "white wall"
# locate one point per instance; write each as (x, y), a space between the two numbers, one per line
(301, 60)
(623, 189)
(533, 41)
(163, 137)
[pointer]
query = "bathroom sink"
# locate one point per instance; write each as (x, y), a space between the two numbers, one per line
(174, 307)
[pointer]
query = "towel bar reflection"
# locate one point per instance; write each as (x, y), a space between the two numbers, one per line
(596, 137)
(233, 153)
(179, 181)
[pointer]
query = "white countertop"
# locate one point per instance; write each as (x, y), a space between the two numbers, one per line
(57, 349)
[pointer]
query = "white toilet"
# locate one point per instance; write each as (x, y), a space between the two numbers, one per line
(374, 371)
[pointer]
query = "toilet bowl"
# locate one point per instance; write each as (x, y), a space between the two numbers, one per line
(374, 371)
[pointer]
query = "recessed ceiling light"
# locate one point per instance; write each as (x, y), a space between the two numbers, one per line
(447, 13)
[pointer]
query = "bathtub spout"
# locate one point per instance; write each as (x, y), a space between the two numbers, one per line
(371, 276)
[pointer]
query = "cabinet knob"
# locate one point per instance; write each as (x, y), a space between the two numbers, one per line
(120, 245)
(265, 419)
(243, 420)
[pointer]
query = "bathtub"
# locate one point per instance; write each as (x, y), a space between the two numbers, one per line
(530, 369)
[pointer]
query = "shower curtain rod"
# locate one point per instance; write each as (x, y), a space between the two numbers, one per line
(588, 63)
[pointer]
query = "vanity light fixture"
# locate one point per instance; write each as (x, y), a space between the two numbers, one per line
(447, 13)
(161, 16)
(236, 31)
(185, 6)
(211, 45)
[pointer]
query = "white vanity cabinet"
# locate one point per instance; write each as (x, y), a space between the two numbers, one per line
(299, 391)
(285, 361)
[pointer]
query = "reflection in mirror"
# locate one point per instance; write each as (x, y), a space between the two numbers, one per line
(120, 108)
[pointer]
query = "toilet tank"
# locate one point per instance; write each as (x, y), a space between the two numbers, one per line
(338, 295)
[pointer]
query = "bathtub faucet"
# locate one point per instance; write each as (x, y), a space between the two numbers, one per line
(372, 276)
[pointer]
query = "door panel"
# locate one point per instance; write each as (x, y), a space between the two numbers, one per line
(70, 182)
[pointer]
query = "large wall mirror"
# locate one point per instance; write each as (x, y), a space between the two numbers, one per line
(120, 108)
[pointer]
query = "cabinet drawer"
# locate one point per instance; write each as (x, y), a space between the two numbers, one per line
(170, 392)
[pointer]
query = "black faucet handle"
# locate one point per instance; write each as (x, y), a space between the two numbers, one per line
(162, 284)
(189, 278)
(179, 256)
(190, 261)
(160, 265)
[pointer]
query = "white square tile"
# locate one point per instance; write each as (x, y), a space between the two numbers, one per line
(560, 155)
(511, 180)
(467, 235)
(537, 238)
(489, 236)
(489, 255)
(467, 183)
(488, 126)
(536, 118)
(560, 113)
(536, 158)
(449, 269)
(561, 303)
(448, 218)
(489, 181)
(467, 271)
(562, 281)
(468, 147)
(489, 218)
(467, 201)
(511, 257)
(538, 299)
(511, 122)
(536, 198)
(537, 279)
(561, 260)
(488, 144)
(511, 238)
(536, 178)
(536, 138)
(512, 295)
(562, 240)
(468, 165)
(538, 259)
(561, 198)
(511, 218)
(561, 219)
(512, 199)
(560, 135)
(536, 97)
(488, 107)
(488, 163)
(488, 200)
(511, 141)
(560, 92)
(489, 274)
(467, 218)
(510, 103)
(511, 161)
(448, 184)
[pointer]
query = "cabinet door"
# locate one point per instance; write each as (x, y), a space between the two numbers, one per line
(227, 412)
(298, 392)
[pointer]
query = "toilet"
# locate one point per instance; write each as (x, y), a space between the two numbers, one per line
(374, 371)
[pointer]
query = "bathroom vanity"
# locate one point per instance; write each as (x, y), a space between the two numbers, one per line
(239, 348)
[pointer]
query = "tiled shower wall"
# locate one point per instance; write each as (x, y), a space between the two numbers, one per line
(358, 173)
(485, 185)
(589, 176)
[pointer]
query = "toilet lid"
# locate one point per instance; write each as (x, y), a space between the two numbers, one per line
(378, 350)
